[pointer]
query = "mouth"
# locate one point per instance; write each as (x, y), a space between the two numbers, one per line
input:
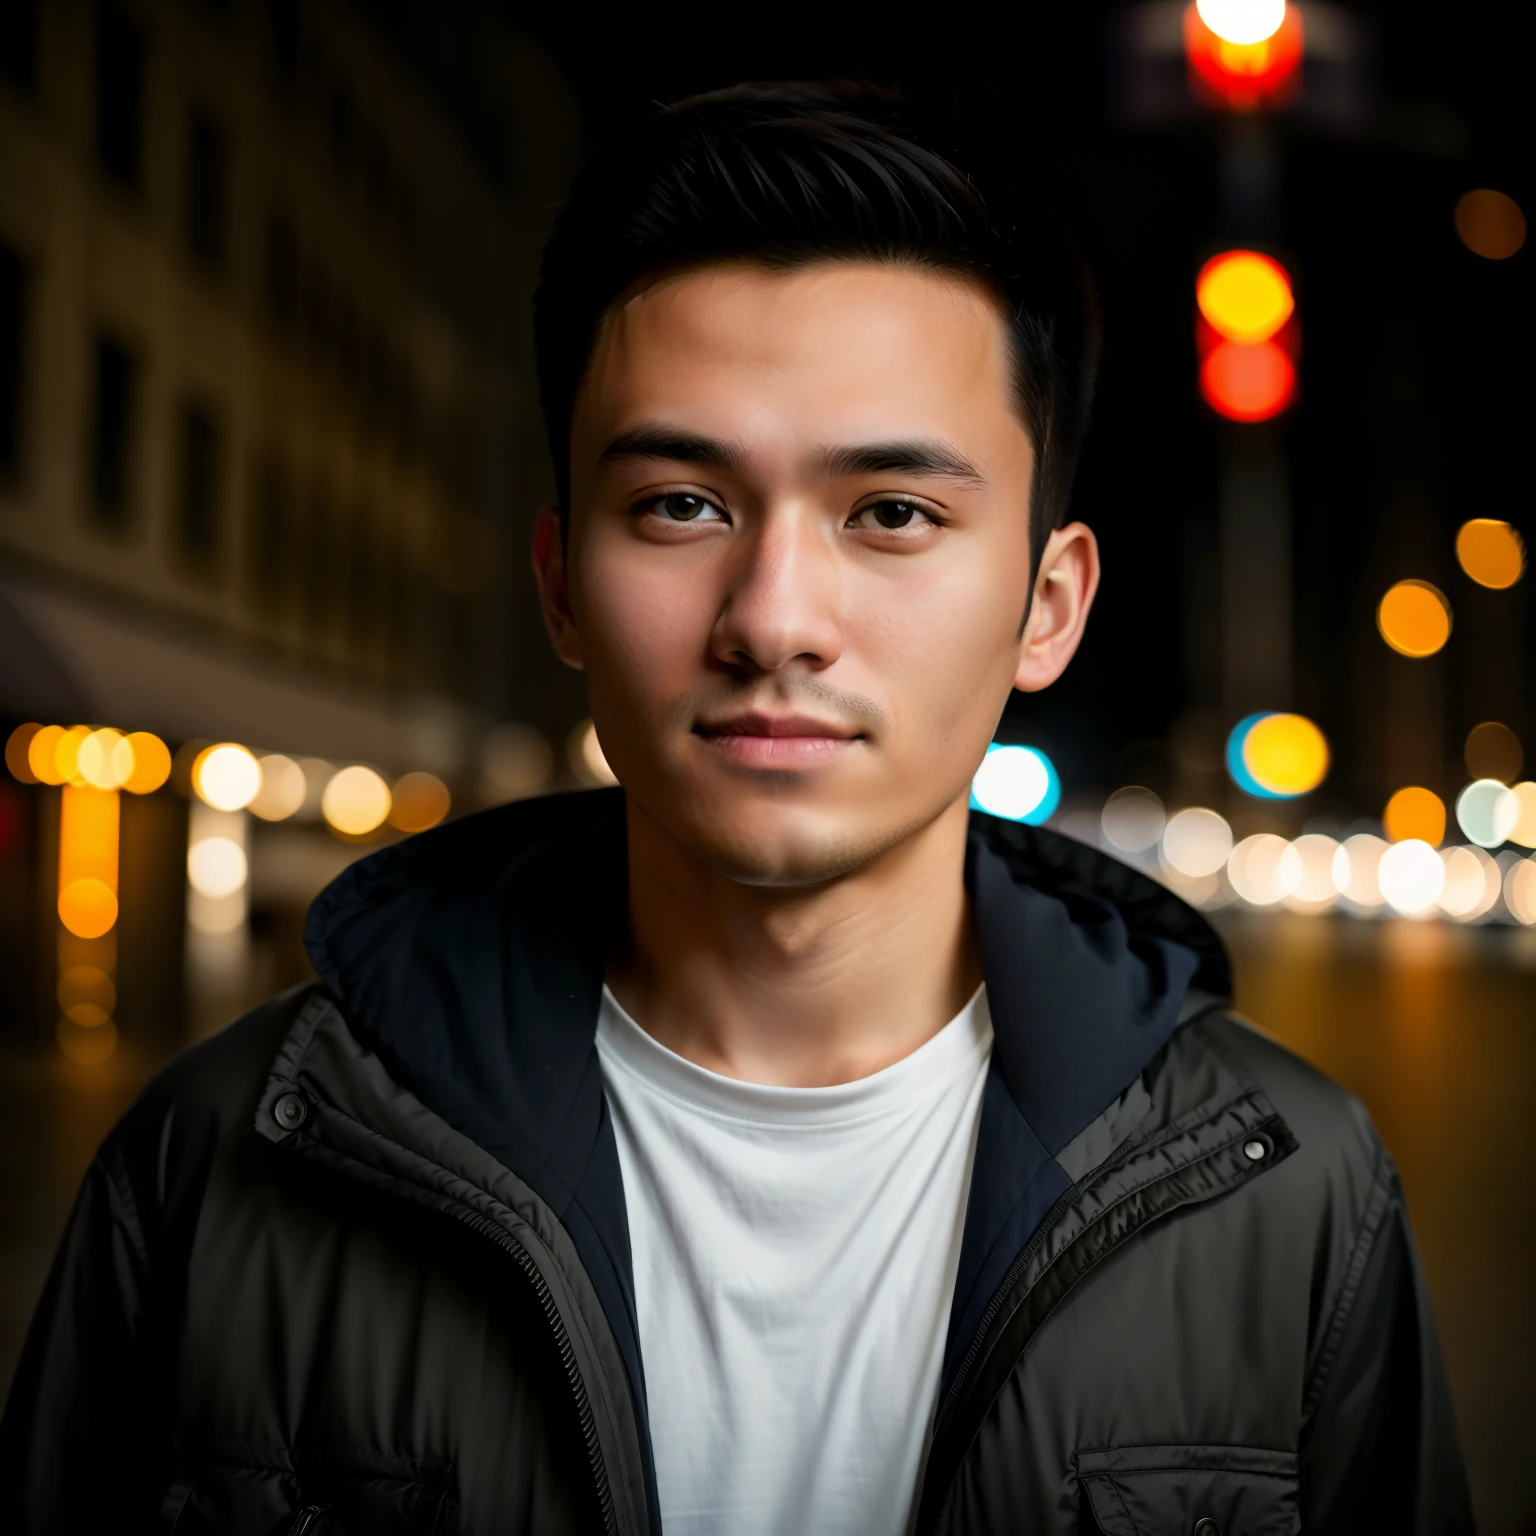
(759, 740)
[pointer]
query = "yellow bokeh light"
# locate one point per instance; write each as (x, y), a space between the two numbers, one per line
(16, 745)
(283, 788)
(1524, 829)
(1414, 618)
(226, 776)
(356, 801)
(99, 762)
(66, 753)
(1286, 754)
(1244, 296)
(1491, 552)
(42, 755)
(1415, 812)
(151, 762)
(87, 907)
(87, 1045)
(1490, 223)
(419, 801)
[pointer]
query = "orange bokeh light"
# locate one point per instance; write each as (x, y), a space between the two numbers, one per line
(1242, 77)
(1415, 812)
(1248, 381)
(1414, 618)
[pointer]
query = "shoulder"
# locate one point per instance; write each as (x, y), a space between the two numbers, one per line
(195, 1109)
(1340, 1179)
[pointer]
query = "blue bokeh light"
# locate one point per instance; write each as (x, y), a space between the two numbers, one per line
(1017, 784)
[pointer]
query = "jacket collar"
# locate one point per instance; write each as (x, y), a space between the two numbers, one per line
(470, 960)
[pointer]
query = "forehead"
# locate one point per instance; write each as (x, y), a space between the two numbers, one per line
(828, 351)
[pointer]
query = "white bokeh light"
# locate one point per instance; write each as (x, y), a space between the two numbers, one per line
(1196, 842)
(1487, 811)
(1411, 876)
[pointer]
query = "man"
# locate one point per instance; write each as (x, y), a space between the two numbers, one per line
(770, 1145)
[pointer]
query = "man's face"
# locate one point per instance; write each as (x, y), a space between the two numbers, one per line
(798, 557)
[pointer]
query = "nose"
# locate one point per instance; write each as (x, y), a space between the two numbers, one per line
(781, 601)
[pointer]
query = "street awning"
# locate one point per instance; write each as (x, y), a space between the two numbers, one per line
(70, 657)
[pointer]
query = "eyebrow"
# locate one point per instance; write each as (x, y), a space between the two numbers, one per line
(911, 456)
(652, 440)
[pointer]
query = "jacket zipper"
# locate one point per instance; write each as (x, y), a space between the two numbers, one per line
(584, 1414)
(526, 1263)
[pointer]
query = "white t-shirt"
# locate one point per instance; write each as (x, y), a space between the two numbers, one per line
(795, 1253)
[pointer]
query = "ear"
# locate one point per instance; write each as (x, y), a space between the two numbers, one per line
(549, 570)
(1065, 585)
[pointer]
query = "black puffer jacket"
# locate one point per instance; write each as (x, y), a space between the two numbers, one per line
(360, 1264)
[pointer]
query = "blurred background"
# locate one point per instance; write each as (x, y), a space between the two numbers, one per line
(270, 453)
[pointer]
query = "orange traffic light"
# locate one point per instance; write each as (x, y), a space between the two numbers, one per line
(1246, 335)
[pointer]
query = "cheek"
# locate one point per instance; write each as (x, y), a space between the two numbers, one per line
(644, 622)
(945, 644)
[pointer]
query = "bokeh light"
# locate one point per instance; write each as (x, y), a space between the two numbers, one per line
(104, 759)
(1242, 21)
(42, 754)
(226, 776)
(88, 848)
(66, 753)
(1490, 223)
(86, 1045)
(356, 801)
(419, 801)
(1016, 783)
(1196, 842)
(585, 752)
(1411, 876)
(1244, 296)
(1285, 755)
(1520, 891)
(1524, 829)
(86, 987)
(1248, 382)
(216, 866)
(1486, 812)
(1414, 618)
(1415, 812)
(1264, 869)
(1133, 819)
(1471, 886)
(283, 788)
(1324, 872)
(1491, 552)
(88, 907)
(1493, 751)
(16, 745)
(151, 762)
(1357, 870)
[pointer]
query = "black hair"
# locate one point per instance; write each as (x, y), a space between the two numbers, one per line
(789, 175)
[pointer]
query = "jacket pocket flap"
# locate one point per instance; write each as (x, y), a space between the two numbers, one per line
(1150, 1490)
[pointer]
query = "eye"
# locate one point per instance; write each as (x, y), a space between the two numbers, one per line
(684, 507)
(891, 515)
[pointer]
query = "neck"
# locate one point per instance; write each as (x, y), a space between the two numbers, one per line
(805, 987)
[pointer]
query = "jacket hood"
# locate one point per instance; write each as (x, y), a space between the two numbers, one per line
(470, 960)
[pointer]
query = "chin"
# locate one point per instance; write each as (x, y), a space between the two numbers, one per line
(779, 849)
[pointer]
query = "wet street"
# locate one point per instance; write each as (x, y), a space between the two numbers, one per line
(1432, 1026)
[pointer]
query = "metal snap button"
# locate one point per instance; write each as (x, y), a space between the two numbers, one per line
(1255, 1151)
(290, 1111)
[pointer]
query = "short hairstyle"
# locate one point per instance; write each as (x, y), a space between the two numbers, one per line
(793, 174)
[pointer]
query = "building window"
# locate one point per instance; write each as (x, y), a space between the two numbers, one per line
(272, 535)
(112, 432)
(197, 524)
(13, 358)
(18, 44)
(120, 50)
(207, 189)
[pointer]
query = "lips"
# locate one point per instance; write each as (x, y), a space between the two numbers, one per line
(759, 740)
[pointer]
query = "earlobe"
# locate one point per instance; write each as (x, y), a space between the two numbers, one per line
(1067, 579)
(549, 571)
